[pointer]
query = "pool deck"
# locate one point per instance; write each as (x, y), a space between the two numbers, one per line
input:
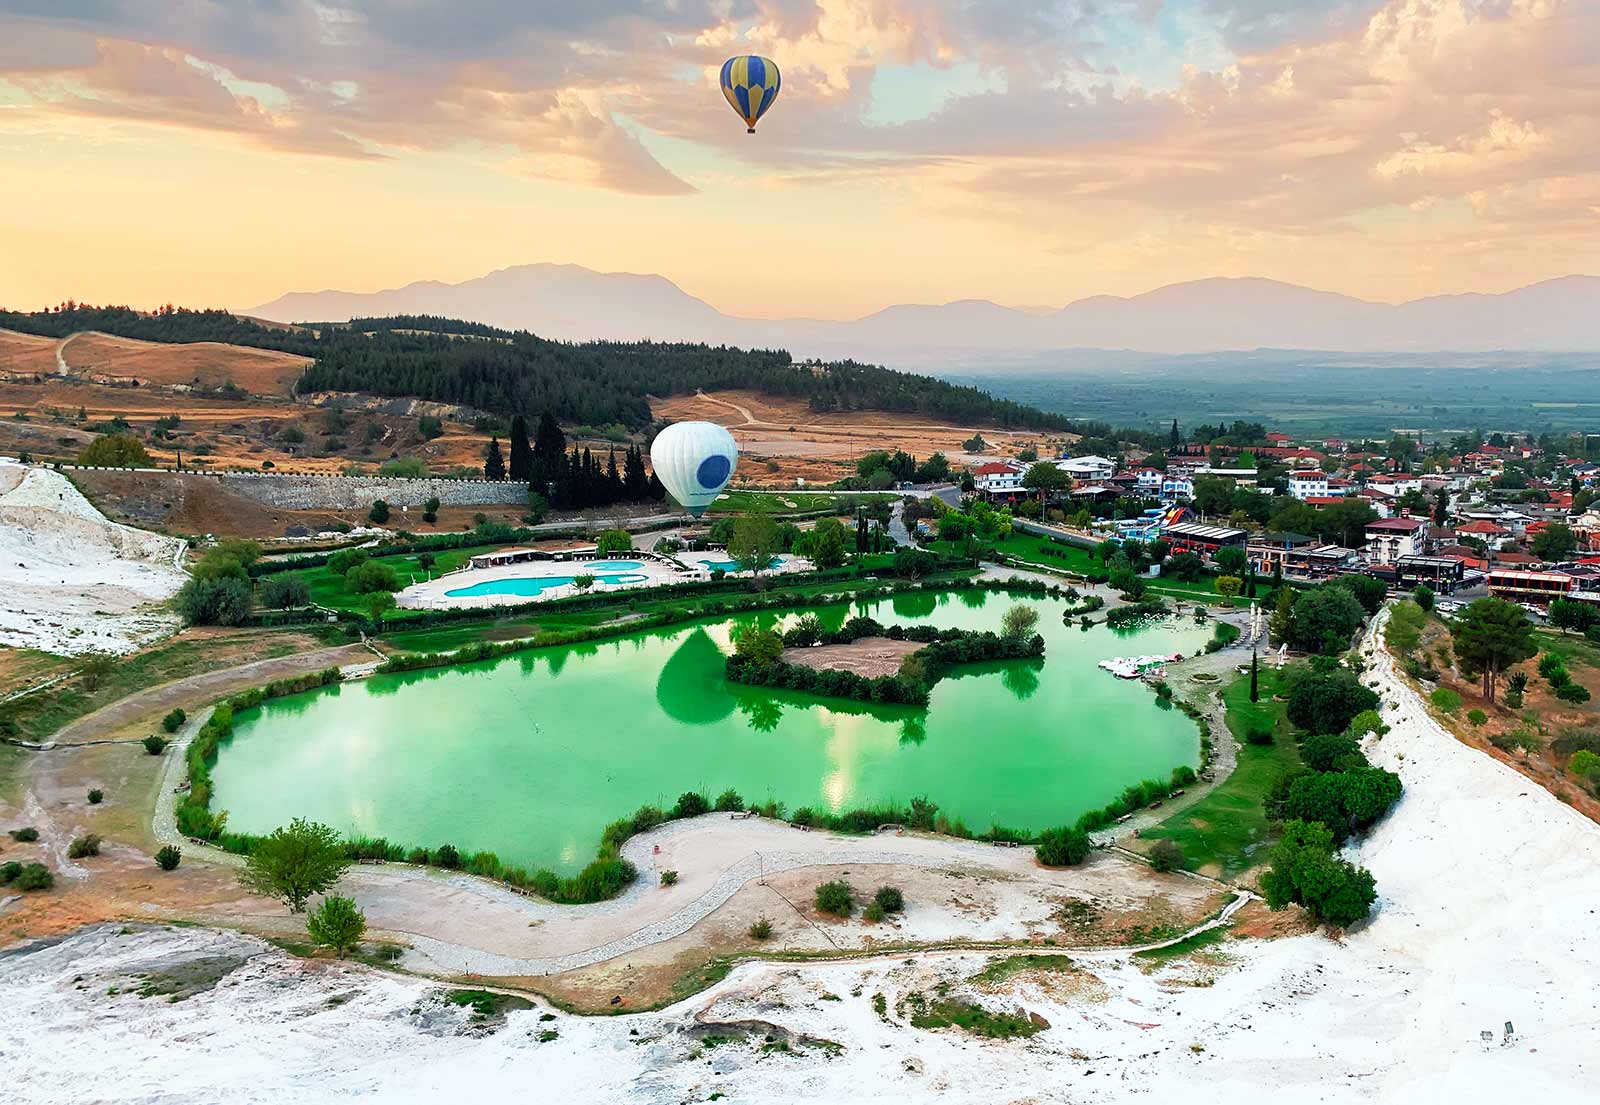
(658, 571)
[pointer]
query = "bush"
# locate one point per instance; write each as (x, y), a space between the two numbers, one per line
(155, 745)
(223, 601)
(26, 835)
(379, 514)
(1583, 763)
(729, 802)
(84, 846)
(167, 857)
(1165, 855)
(691, 804)
(1477, 718)
(9, 872)
(1573, 692)
(761, 929)
(1258, 735)
(873, 913)
(889, 899)
(1423, 596)
(96, 796)
(337, 923)
(447, 856)
(34, 876)
(1065, 846)
(174, 720)
(835, 898)
(669, 878)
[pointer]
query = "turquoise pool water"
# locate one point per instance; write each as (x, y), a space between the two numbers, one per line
(733, 565)
(524, 586)
(611, 565)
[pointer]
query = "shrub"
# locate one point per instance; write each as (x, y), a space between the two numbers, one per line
(761, 929)
(1423, 596)
(84, 846)
(1573, 692)
(1583, 763)
(9, 872)
(337, 923)
(174, 720)
(447, 856)
(729, 801)
(669, 878)
(34, 876)
(889, 899)
(155, 745)
(691, 804)
(1477, 718)
(167, 857)
(1065, 846)
(96, 796)
(1165, 855)
(213, 601)
(26, 835)
(1445, 699)
(379, 513)
(873, 913)
(835, 898)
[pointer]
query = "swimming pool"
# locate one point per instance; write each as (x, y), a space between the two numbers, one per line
(525, 586)
(609, 565)
(733, 565)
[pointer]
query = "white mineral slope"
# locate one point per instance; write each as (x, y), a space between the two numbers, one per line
(72, 580)
(1490, 912)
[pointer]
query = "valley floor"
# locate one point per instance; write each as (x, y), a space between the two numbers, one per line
(1490, 892)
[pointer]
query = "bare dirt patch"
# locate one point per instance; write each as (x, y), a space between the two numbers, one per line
(866, 656)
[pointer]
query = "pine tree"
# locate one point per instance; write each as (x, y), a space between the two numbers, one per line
(635, 481)
(494, 466)
(613, 493)
(1174, 437)
(521, 455)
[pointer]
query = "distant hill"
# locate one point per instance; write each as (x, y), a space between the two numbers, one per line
(569, 302)
(478, 365)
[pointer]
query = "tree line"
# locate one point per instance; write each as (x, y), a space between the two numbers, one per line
(568, 479)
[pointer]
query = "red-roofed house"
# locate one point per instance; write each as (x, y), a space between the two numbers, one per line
(1388, 539)
(1490, 534)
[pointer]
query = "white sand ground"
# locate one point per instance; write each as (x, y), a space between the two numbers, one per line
(73, 581)
(1490, 912)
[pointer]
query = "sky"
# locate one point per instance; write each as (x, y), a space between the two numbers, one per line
(1032, 152)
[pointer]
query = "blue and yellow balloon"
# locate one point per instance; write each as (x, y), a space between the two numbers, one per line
(750, 84)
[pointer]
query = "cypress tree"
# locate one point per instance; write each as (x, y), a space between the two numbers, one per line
(1255, 690)
(521, 455)
(494, 465)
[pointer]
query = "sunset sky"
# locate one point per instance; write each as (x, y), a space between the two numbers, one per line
(221, 152)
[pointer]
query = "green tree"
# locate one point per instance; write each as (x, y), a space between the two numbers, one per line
(337, 923)
(379, 514)
(1303, 869)
(372, 575)
(1555, 542)
(285, 590)
(213, 602)
(1423, 596)
(377, 604)
(1020, 621)
(1326, 619)
(494, 465)
(1229, 587)
(827, 543)
(1045, 479)
(1490, 636)
(614, 541)
(1255, 680)
(120, 450)
(1165, 855)
(754, 542)
(1327, 701)
(1231, 560)
(762, 646)
(1281, 624)
(1065, 846)
(294, 862)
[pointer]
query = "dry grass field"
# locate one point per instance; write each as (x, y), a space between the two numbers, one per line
(26, 353)
(201, 364)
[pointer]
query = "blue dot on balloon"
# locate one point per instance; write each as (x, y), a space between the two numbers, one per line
(713, 471)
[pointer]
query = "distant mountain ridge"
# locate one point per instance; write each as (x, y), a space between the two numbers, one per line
(573, 303)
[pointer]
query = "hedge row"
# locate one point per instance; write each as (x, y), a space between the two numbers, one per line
(1138, 611)
(194, 808)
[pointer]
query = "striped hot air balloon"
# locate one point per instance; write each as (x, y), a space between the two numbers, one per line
(750, 84)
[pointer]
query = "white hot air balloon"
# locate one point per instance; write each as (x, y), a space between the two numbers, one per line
(694, 461)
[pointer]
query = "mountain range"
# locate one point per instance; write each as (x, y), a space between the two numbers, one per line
(570, 302)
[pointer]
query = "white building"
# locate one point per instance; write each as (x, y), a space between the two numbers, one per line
(999, 478)
(1310, 484)
(1088, 469)
(1388, 539)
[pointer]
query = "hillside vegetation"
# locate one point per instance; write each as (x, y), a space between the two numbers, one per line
(517, 372)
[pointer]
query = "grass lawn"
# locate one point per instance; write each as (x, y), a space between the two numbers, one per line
(1574, 647)
(39, 715)
(1226, 831)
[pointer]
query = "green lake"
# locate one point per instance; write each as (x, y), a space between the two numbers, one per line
(532, 754)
